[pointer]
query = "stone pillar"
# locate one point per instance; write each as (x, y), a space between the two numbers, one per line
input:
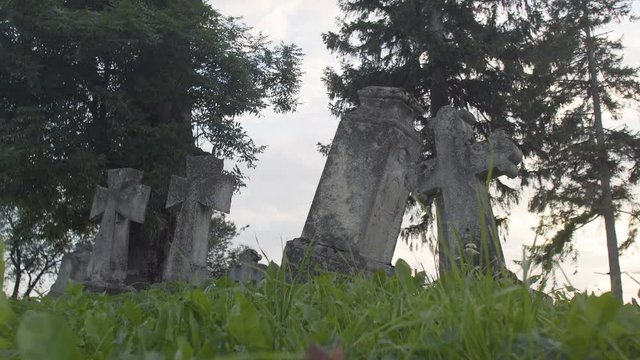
(357, 211)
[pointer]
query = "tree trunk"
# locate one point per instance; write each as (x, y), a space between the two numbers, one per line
(605, 173)
(17, 264)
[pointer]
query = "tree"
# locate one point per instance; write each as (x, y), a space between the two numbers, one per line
(87, 85)
(586, 171)
(470, 54)
(221, 256)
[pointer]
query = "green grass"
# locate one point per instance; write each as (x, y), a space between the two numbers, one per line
(399, 317)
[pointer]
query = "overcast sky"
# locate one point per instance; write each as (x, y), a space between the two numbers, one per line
(279, 191)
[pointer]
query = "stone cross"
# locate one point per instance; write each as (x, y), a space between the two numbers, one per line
(124, 200)
(357, 210)
(457, 177)
(204, 189)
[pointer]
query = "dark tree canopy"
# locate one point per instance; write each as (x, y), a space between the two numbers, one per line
(87, 85)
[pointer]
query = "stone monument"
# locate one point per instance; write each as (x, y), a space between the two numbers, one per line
(457, 177)
(248, 270)
(124, 200)
(205, 188)
(73, 267)
(357, 210)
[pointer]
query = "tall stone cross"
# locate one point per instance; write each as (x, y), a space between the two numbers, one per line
(124, 200)
(356, 213)
(205, 188)
(457, 177)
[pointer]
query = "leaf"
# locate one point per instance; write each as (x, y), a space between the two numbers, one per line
(243, 324)
(184, 352)
(44, 336)
(602, 309)
(132, 313)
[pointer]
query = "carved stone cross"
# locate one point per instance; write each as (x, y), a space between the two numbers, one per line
(456, 177)
(125, 200)
(204, 189)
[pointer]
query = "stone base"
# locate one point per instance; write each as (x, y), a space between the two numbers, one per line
(303, 257)
(109, 288)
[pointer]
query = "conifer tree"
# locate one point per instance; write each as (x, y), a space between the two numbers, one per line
(585, 170)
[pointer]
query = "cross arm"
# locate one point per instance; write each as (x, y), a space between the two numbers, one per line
(99, 201)
(215, 192)
(178, 189)
(133, 202)
(499, 154)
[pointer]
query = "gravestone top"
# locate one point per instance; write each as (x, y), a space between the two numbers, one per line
(248, 270)
(205, 177)
(123, 187)
(370, 94)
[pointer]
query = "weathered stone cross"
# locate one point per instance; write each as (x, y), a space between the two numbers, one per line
(204, 189)
(125, 200)
(457, 178)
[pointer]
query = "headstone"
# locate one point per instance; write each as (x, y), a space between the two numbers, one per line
(357, 210)
(73, 267)
(205, 188)
(456, 177)
(124, 200)
(248, 270)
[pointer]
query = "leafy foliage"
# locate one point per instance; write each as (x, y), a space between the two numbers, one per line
(380, 317)
(91, 85)
(221, 255)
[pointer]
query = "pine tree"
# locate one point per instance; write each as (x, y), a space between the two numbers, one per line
(586, 171)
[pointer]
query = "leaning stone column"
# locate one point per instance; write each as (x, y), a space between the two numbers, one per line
(357, 211)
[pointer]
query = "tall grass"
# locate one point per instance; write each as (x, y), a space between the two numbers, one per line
(460, 316)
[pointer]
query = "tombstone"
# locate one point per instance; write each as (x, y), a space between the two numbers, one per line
(248, 270)
(357, 210)
(456, 177)
(124, 200)
(206, 188)
(73, 267)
